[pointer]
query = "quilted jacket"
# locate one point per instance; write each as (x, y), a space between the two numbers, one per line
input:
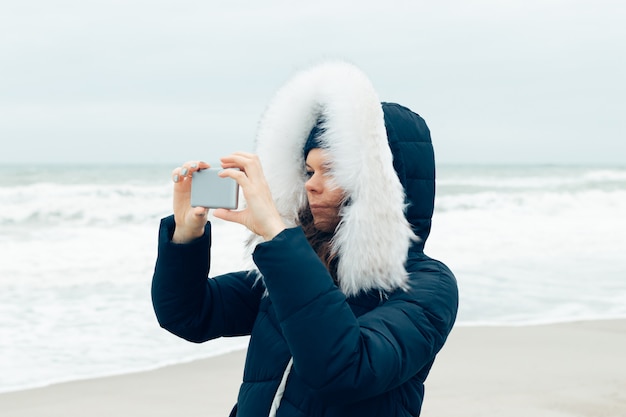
(363, 344)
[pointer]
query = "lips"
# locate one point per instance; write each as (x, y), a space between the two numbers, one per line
(322, 208)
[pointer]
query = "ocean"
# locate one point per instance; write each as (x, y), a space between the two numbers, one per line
(528, 245)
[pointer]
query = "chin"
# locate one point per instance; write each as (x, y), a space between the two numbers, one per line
(325, 226)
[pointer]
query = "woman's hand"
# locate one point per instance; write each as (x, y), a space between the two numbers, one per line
(260, 215)
(190, 221)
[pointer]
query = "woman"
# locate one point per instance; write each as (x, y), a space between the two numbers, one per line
(345, 311)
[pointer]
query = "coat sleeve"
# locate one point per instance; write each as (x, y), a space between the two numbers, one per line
(192, 306)
(342, 357)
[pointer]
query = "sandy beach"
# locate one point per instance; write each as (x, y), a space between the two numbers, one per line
(558, 370)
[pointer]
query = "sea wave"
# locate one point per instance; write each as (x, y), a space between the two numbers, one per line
(588, 200)
(531, 178)
(51, 204)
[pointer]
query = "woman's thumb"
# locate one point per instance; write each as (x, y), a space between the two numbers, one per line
(228, 215)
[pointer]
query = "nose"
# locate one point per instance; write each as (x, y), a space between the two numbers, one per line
(313, 184)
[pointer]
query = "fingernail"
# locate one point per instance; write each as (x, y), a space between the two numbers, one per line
(194, 165)
(175, 178)
(184, 171)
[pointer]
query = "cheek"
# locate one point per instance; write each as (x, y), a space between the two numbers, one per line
(336, 197)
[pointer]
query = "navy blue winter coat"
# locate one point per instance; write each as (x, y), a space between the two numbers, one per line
(359, 347)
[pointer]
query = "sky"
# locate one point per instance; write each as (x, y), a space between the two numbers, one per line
(138, 81)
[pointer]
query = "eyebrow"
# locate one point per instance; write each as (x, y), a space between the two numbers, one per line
(326, 166)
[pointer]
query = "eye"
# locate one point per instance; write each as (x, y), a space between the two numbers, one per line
(326, 168)
(309, 174)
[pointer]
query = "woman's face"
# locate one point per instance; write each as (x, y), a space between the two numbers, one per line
(324, 197)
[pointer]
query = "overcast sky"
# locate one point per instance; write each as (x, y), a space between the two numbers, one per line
(519, 81)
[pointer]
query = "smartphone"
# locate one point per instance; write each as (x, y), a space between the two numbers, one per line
(211, 191)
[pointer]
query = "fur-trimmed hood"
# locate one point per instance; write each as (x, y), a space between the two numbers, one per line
(377, 151)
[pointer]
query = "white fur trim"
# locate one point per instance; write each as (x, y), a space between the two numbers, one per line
(373, 238)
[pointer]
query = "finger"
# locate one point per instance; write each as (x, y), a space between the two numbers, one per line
(180, 175)
(245, 154)
(247, 162)
(236, 174)
(192, 166)
(200, 211)
(176, 177)
(228, 215)
(187, 169)
(196, 165)
(238, 157)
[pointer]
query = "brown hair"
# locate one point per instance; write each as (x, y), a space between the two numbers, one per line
(320, 241)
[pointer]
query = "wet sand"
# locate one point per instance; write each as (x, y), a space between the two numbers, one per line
(557, 370)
